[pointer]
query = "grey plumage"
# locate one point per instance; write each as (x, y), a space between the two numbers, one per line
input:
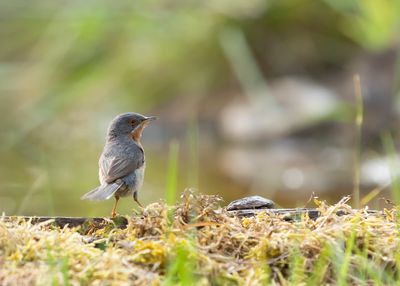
(122, 162)
(121, 156)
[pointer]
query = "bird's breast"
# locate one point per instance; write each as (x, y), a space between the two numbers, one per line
(139, 174)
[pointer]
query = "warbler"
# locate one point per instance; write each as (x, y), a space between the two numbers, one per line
(122, 163)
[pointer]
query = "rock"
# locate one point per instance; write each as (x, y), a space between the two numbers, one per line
(253, 202)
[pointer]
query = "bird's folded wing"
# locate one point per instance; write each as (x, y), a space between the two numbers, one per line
(113, 168)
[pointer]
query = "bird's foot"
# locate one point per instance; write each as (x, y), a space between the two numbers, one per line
(114, 214)
(137, 201)
(140, 205)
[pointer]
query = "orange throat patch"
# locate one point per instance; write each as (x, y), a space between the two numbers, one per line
(137, 133)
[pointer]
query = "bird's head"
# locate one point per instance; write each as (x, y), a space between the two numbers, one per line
(129, 123)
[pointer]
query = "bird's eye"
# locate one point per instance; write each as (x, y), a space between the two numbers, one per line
(133, 121)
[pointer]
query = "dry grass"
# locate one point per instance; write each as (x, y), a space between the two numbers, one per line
(203, 245)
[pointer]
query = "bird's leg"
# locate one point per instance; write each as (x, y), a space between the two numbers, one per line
(113, 212)
(136, 199)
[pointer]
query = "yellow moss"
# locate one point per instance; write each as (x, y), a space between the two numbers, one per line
(15, 256)
(246, 222)
(149, 252)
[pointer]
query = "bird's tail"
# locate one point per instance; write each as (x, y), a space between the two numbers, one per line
(104, 192)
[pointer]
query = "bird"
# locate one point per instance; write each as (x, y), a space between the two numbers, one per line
(122, 163)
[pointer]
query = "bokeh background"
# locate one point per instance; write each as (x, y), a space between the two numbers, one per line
(258, 94)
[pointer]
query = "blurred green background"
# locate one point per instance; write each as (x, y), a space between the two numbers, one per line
(258, 94)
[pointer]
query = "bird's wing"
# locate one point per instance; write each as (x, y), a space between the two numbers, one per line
(116, 167)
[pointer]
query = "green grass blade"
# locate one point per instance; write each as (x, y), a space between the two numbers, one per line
(172, 173)
(394, 165)
(357, 144)
(193, 162)
(345, 265)
(180, 270)
(321, 266)
(297, 271)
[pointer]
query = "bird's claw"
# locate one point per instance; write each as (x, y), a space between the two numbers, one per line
(136, 200)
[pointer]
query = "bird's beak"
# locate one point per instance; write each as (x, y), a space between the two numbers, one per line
(150, 118)
(147, 120)
(137, 132)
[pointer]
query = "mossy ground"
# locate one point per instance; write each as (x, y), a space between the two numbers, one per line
(197, 243)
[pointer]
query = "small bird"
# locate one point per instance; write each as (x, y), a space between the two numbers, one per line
(122, 163)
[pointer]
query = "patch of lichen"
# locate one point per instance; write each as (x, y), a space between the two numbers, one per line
(198, 242)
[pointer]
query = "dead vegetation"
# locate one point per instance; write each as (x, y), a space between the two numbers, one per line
(198, 243)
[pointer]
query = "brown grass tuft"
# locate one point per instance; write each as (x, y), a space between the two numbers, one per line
(210, 246)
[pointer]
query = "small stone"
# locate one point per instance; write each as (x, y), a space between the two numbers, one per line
(253, 202)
